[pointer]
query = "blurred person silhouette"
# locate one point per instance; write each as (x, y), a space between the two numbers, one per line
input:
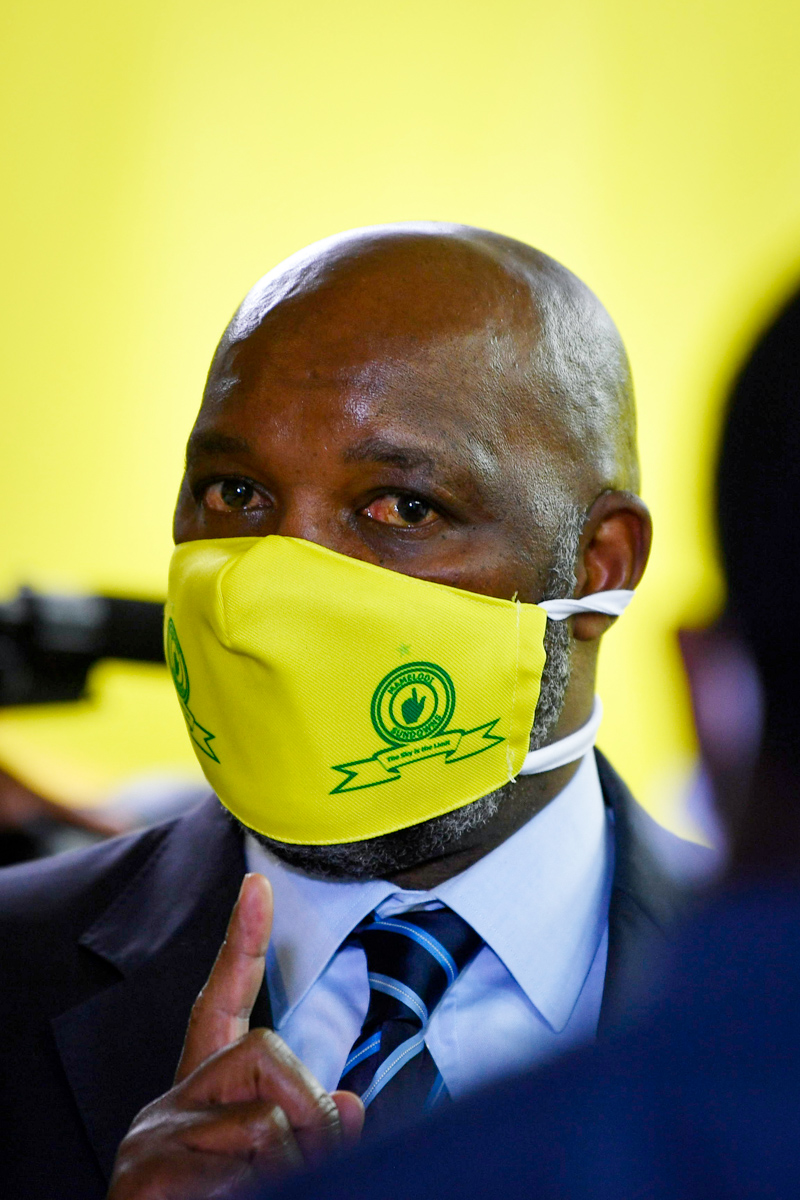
(395, 700)
(743, 669)
(697, 1094)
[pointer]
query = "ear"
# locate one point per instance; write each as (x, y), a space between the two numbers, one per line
(613, 553)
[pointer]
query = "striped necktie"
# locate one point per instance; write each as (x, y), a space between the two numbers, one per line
(411, 962)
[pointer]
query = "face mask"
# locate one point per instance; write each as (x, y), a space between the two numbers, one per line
(329, 700)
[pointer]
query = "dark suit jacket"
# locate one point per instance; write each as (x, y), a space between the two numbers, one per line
(103, 952)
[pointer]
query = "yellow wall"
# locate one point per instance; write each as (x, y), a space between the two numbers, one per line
(159, 155)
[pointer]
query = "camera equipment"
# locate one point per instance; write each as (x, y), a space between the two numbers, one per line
(49, 642)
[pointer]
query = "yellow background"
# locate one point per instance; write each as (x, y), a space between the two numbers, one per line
(160, 155)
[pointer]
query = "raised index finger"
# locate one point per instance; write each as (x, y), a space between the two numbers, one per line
(221, 1013)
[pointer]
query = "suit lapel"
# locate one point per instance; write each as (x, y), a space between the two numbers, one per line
(646, 902)
(162, 933)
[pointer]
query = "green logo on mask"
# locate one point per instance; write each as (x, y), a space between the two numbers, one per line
(411, 709)
(412, 703)
(176, 662)
(201, 737)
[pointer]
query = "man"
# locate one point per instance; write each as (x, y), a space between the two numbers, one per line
(442, 417)
(699, 1098)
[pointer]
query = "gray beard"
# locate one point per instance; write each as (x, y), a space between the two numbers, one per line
(379, 857)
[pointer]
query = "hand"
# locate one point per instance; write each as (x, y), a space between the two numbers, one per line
(243, 1106)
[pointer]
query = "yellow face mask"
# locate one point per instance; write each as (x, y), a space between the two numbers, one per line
(329, 700)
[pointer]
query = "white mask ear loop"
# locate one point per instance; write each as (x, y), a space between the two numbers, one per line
(566, 750)
(613, 604)
(569, 749)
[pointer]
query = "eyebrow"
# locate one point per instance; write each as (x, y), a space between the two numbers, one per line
(215, 443)
(380, 450)
(372, 449)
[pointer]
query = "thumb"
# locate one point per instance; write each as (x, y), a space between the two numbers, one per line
(351, 1114)
(221, 1013)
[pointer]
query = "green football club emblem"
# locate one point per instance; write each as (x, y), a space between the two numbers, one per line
(411, 709)
(413, 702)
(201, 737)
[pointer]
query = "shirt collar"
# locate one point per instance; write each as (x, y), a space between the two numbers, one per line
(539, 901)
(312, 918)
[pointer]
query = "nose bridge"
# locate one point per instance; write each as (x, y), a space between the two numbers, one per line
(306, 511)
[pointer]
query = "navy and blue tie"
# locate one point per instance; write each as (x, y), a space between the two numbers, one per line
(411, 962)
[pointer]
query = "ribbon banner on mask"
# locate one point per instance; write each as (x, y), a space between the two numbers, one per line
(201, 736)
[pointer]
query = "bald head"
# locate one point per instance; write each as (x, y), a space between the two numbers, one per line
(520, 344)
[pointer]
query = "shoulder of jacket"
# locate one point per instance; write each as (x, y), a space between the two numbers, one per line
(658, 871)
(68, 887)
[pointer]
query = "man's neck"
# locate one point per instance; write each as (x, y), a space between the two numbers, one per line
(522, 800)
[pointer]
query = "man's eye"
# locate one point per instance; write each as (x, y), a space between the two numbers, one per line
(401, 511)
(227, 494)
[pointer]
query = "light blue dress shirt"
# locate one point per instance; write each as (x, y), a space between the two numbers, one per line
(540, 903)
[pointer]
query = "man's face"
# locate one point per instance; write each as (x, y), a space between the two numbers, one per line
(390, 438)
